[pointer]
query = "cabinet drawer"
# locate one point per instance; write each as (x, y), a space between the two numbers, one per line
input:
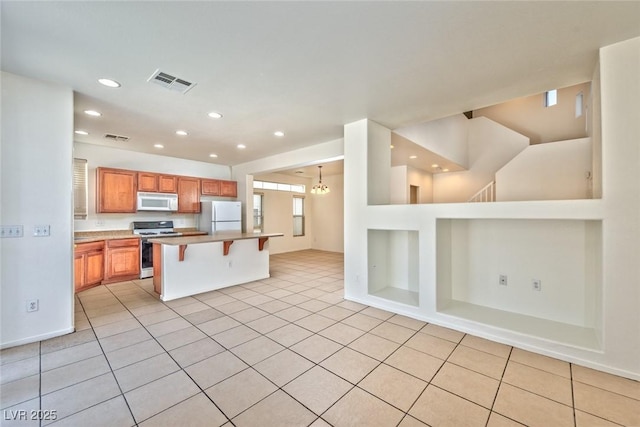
(81, 248)
(121, 243)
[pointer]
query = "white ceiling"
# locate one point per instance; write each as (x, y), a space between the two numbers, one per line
(306, 68)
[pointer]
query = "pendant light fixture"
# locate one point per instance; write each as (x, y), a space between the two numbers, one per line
(320, 188)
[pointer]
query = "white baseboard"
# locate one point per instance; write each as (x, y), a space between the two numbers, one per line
(36, 338)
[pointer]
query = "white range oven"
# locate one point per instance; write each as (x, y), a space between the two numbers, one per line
(147, 230)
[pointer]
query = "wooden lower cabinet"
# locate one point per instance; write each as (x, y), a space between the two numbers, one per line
(122, 260)
(88, 265)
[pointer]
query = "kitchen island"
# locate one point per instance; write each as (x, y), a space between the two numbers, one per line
(189, 265)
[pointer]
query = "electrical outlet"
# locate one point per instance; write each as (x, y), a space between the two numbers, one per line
(32, 305)
(99, 223)
(11, 231)
(229, 264)
(503, 280)
(41, 230)
(537, 284)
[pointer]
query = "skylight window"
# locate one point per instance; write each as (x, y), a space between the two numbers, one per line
(550, 98)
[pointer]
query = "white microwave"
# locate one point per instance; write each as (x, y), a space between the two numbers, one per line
(157, 202)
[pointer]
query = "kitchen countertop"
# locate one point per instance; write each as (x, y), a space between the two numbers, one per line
(96, 236)
(218, 237)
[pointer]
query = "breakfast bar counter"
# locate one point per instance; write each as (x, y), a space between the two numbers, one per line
(189, 265)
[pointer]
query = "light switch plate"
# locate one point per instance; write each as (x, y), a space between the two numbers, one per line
(11, 231)
(41, 230)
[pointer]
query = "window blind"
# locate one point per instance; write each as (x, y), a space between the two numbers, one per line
(80, 188)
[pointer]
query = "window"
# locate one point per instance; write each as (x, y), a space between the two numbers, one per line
(80, 189)
(550, 98)
(258, 215)
(266, 185)
(298, 216)
(579, 104)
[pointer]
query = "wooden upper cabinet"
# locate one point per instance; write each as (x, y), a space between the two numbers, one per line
(188, 194)
(147, 182)
(156, 183)
(116, 190)
(167, 184)
(229, 188)
(210, 187)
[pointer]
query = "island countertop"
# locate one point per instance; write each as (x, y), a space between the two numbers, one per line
(189, 265)
(217, 237)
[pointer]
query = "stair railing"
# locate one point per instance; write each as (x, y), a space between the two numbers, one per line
(486, 194)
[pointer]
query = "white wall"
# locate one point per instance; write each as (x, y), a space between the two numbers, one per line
(378, 157)
(556, 252)
(424, 181)
(36, 188)
(541, 124)
(614, 345)
(594, 129)
(398, 178)
(620, 90)
(555, 171)
(403, 177)
(393, 260)
(101, 156)
(327, 211)
(491, 146)
(324, 215)
(446, 137)
(243, 173)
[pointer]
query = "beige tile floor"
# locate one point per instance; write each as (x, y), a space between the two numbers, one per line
(290, 351)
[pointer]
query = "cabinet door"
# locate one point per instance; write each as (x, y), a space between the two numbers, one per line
(94, 268)
(88, 264)
(147, 182)
(167, 184)
(78, 271)
(210, 187)
(116, 190)
(188, 195)
(122, 260)
(229, 188)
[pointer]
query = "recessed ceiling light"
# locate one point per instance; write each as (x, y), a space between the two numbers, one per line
(182, 132)
(392, 146)
(278, 133)
(241, 146)
(215, 115)
(92, 113)
(109, 82)
(435, 165)
(445, 170)
(158, 145)
(82, 132)
(413, 157)
(213, 155)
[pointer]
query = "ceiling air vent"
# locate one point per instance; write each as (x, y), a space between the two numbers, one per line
(116, 138)
(170, 82)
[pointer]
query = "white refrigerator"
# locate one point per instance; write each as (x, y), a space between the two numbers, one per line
(220, 216)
